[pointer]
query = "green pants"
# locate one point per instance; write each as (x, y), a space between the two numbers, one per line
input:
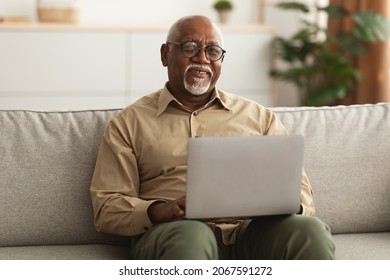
(270, 238)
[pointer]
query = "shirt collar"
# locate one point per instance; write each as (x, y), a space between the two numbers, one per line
(220, 96)
(166, 98)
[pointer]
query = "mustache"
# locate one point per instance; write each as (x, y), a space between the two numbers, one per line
(200, 66)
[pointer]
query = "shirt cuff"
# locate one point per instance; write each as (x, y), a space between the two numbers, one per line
(142, 222)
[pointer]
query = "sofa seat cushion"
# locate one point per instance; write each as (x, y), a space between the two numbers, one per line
(65, 252)
(362, 246)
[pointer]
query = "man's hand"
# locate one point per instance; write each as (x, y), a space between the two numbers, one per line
(160, 212)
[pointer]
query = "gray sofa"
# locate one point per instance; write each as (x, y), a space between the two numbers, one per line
(47, 160)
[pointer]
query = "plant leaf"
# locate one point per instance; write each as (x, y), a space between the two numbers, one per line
(334, 11)
(293, 6)
(327, 95)
(350, 43)
(371, 27)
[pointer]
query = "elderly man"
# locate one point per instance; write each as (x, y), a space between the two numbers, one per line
(139, 182)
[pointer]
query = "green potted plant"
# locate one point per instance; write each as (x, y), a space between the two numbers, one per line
(223, 7)
(321, 68)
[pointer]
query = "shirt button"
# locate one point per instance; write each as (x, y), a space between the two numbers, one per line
(194, 114)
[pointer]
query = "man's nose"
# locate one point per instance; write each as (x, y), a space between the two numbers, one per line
(201, 57)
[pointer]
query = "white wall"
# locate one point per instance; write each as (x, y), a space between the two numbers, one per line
(157, 11)
(163, 11)
(17, 8)
(138, 12)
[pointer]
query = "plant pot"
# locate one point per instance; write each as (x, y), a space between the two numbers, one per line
(223, 16)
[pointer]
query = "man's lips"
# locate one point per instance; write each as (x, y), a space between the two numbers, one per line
(199, 72)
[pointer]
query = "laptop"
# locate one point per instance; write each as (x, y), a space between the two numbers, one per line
(243, 176)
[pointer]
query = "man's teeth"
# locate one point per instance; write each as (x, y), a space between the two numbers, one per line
(200, 72)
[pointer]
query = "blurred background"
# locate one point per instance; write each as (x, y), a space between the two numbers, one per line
(91, 54)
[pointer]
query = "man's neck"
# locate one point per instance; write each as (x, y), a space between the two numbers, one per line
(193, 102)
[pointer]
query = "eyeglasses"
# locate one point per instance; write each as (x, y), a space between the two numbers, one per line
(191, 49)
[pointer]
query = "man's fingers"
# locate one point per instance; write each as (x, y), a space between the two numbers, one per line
(179, 210)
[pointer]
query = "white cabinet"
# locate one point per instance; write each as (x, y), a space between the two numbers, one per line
(68, 61)
(61, 70)
(86, 68)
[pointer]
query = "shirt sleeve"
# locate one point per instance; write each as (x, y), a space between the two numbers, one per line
(273, 126)
(307, 203)
(115, 186)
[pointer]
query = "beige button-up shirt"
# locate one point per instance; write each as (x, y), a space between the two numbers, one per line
(143, 154)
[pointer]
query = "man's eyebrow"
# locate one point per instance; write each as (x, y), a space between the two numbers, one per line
(215, 43)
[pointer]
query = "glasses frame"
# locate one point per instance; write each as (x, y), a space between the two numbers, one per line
(199, 48)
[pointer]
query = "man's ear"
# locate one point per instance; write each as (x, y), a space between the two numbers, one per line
(164, 54)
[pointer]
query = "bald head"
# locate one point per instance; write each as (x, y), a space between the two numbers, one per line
(175, 33)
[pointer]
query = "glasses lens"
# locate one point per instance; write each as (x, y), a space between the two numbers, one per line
(214, 53)
(190, 49)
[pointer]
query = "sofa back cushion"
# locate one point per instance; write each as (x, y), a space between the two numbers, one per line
(47, 161)
(347, 160)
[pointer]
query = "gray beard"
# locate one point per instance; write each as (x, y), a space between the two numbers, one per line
(197, 88)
